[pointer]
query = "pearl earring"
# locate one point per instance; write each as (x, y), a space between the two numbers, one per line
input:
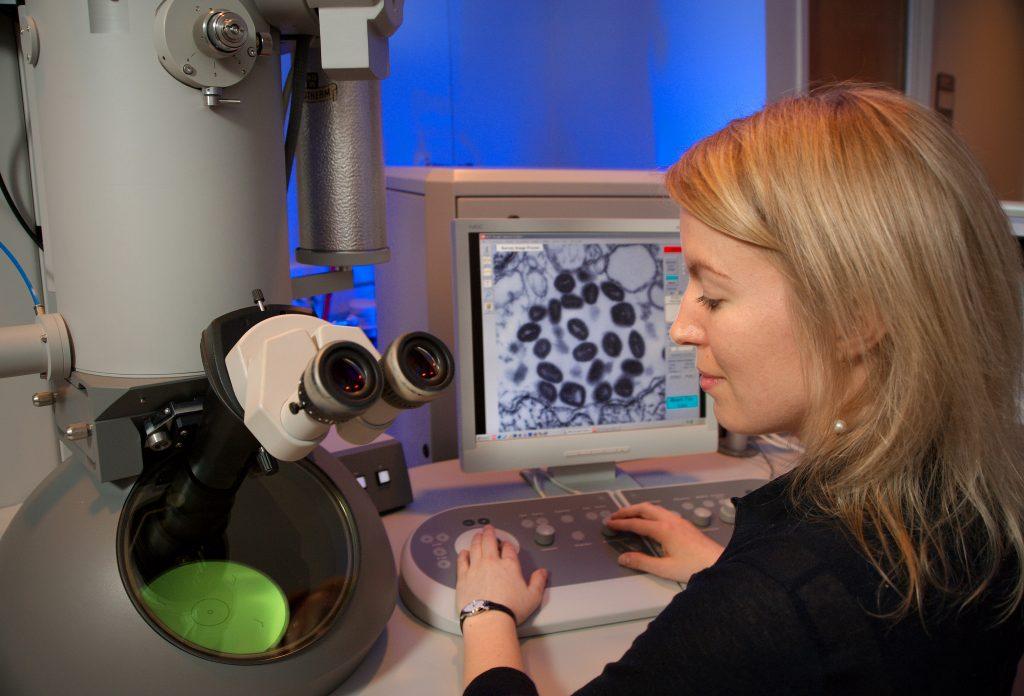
(839, 426)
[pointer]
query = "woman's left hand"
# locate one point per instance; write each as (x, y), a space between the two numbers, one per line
(488, 572)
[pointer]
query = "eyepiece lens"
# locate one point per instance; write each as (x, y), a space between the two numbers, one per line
(348, 375)
(424, 363)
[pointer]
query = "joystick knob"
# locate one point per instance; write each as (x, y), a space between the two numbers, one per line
(727, 512)
(702, 517)
(544, 534)
(608, 531)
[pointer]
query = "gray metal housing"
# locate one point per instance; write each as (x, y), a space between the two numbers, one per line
(68, 626)
(341, 172)
(159, 212)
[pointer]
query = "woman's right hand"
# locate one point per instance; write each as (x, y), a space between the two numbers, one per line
(685, 549)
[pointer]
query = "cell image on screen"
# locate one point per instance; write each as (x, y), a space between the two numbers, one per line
(580, 334)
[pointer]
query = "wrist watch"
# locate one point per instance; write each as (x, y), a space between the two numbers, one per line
(479, 606)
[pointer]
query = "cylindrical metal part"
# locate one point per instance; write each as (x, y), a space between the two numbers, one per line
(22, 350)
(78, 431)
(44, 398)
(168, 213)
(226, 31)
(340, 172)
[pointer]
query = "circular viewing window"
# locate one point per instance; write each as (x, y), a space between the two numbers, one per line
(249, 578)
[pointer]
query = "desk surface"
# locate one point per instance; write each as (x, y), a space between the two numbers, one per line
(411, 657)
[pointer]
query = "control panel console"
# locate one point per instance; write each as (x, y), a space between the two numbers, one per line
(567, 536)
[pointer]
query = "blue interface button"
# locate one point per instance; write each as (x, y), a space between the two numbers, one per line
(671, 277)
(688, 401)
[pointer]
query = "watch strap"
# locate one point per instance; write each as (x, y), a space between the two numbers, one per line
(480, 606)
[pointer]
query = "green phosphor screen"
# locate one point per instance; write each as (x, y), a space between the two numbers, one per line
(222, 606)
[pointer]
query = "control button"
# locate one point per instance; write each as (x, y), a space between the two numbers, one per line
(541, 520)
(427, 539)
(442, 537)
(727, 512)
(361, 480)
(526, 522)
(568, 519)
(608, 531)
(605, 513)
(439, 551)
(463, 541)
(468, 523)
(591, 515)
(687, 505)
(383, 477)
(444, 564)
(578, 536)
(544, 535)
(702, 517)
(483, 520)
(709, 503)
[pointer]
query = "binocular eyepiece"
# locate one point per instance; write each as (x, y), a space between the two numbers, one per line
(417, 368)
(344, 380)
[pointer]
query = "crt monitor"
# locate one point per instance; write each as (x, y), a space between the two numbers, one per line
(564, 358)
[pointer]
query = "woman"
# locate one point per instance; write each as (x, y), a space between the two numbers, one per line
(853, 281)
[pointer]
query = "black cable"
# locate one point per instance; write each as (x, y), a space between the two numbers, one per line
(36, 235)
(295, 110)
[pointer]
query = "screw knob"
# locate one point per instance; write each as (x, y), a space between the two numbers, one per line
(78, 431)
(44, 398)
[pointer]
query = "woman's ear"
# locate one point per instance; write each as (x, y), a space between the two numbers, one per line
(861, 338)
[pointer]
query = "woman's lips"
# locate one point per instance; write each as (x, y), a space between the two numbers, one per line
(709, 381)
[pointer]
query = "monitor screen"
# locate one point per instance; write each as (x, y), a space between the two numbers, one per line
(569, 358)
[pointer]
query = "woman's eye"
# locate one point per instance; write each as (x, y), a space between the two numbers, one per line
(708, 302)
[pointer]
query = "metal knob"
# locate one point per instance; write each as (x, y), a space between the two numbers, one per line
(78, 431)
(158, 441)
(702, 517)
(544, 534)
(214, 96)
(227, 31)
(44, 398)
(727, 512)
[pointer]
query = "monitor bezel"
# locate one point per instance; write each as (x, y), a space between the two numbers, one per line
(554, 450)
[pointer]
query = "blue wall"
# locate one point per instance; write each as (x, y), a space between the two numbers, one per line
(568, 83)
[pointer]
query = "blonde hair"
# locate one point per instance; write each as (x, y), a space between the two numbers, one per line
(894, 245)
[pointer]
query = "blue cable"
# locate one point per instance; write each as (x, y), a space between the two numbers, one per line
(24, 276)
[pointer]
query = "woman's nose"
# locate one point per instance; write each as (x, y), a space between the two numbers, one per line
(686, 329)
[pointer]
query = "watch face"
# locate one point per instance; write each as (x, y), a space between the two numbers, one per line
(474, 606)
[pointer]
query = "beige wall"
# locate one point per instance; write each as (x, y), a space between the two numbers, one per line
(981, 43)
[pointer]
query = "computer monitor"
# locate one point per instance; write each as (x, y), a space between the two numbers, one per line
(564, 360)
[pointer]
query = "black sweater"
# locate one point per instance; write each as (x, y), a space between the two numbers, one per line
(788, 609)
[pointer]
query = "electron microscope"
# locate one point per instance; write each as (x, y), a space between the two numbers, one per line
(194, 537)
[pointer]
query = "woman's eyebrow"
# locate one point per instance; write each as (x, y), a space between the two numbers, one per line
(696, 268)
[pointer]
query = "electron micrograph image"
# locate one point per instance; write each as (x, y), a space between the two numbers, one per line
(580, 335)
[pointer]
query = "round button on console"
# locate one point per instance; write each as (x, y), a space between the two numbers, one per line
(702, 517)
(727, 512)
(544, 534)
(463, 541)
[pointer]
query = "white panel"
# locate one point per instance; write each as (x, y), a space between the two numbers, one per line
(612, 207)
